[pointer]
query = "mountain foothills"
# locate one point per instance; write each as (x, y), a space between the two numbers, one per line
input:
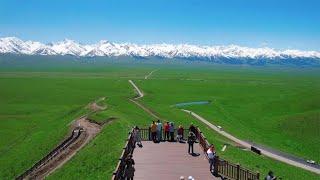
(231, 54)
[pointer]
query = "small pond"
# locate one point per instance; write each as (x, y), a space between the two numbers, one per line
(192, 103)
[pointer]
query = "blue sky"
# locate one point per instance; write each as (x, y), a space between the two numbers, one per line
(255, 23)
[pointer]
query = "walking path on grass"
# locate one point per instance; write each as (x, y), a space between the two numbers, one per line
(85, 130)
(140, 95)
(265, 151)
(147, 76)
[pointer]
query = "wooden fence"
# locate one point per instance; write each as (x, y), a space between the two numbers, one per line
(72, 138)
(120, 172)
(224, 168)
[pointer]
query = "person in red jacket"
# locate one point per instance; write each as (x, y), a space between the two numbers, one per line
(180, 134)
(166, 131)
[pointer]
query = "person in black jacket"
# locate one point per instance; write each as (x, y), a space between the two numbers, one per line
(193, 129)
(191, 140)
(129, 173)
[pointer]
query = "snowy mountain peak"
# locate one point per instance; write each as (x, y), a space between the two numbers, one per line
(106, 48)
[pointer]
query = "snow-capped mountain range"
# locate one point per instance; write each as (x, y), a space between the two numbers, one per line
(15, 45)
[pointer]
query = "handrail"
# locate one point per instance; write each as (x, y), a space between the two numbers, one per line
(121, 166)
(225, 168)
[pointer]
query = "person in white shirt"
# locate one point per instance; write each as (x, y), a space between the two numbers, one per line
(270, 176)
(211, 154)
(159, 131)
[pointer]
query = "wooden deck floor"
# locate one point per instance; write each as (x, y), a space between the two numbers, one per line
(169, 161)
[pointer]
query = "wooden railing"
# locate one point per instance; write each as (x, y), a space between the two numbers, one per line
(224, 168)
(128, 149)
(145, 134)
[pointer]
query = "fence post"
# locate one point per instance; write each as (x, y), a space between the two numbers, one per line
(149, 134)
(215, 165)
(238, 171)
(258, 175)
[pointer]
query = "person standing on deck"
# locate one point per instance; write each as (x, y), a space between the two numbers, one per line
(211, 154)
(137, 136)
(129, 172)
(191, 140)
(193, 129)
(171, 129)
(153, 129)
(180, 137)
(159, 131)
(166, 131)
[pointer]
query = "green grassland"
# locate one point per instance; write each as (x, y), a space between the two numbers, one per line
(277, 108)
(36, 111)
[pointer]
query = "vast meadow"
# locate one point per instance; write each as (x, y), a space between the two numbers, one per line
(278, 108)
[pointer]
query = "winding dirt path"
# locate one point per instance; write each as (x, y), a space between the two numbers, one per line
(267, 152)
(147, 76)
(89, 130)
(141, 95)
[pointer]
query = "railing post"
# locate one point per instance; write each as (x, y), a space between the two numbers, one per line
(215, 165)
(238, 171)
(149, 133)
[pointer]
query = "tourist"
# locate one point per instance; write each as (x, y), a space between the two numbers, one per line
(193, 129)
(270, 176)
(129, 173)
(153, 129)
(166, 131)
(191, 140)
(181, 178)
(171, 130)
(137, 137)
(190, 178)
(159, 131)
(180, 134)
(211, 154)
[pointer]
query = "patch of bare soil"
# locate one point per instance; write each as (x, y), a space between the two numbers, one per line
(94, 106)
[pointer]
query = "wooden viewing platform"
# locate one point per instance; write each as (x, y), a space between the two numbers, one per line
(170, 160)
